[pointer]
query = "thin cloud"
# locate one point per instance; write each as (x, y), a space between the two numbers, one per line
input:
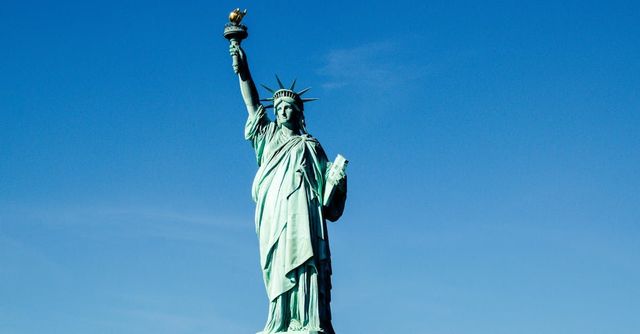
(375, 65)
(115, 222)
(161, 313)
(14, 254)
(167, 321)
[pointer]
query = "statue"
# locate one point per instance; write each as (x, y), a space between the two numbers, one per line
(296, 189)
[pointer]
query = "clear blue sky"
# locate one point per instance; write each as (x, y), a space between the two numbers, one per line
(494, 175)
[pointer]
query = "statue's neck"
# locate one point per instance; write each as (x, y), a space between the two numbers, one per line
(286, 132)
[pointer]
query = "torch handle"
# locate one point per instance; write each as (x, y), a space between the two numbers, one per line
(235, 57)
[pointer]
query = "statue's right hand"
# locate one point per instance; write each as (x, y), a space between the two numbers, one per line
(236, 50)
(238, 56)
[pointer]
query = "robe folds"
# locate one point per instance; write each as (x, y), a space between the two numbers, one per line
(290, 224)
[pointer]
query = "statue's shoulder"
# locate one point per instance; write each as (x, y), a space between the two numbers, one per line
(314, 145)
(310, 140)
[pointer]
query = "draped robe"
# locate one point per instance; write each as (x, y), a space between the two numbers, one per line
(291, 228)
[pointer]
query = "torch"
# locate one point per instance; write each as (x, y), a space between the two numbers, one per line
(235, 32)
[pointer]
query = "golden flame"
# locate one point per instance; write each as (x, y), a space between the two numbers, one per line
(236, 15)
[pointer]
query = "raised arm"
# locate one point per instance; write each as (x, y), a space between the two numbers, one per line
(247, 86)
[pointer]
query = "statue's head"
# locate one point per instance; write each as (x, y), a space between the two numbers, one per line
(289, 106)
(289, 113)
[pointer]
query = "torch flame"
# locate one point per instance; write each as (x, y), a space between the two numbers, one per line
(236, 15)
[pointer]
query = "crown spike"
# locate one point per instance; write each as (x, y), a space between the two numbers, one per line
(279, 82)
(309, 99)
(268, 106)
(293, 85)
(267, 99)
(267, 88)
(303, 91)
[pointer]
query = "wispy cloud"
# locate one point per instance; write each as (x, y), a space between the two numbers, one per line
(163, 315)
(374, 65)
(160, 319)
(149, 222)
(170, 322)
(19, 258)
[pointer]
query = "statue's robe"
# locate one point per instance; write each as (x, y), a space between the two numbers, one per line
(290, 224)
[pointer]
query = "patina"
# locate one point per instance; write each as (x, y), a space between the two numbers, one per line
(296, 190)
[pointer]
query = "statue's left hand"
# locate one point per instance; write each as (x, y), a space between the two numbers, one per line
(337, 177)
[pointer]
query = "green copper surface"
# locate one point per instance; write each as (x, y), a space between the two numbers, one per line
(296, 190)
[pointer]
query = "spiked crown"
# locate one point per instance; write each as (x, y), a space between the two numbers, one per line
(287, 92)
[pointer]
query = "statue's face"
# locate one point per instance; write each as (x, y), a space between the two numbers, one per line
(287, 114)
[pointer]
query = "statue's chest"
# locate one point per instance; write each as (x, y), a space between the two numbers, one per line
(279, 148)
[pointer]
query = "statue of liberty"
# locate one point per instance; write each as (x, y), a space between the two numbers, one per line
(296, 189)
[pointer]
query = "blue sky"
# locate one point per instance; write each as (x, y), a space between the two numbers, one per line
(493, 147)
